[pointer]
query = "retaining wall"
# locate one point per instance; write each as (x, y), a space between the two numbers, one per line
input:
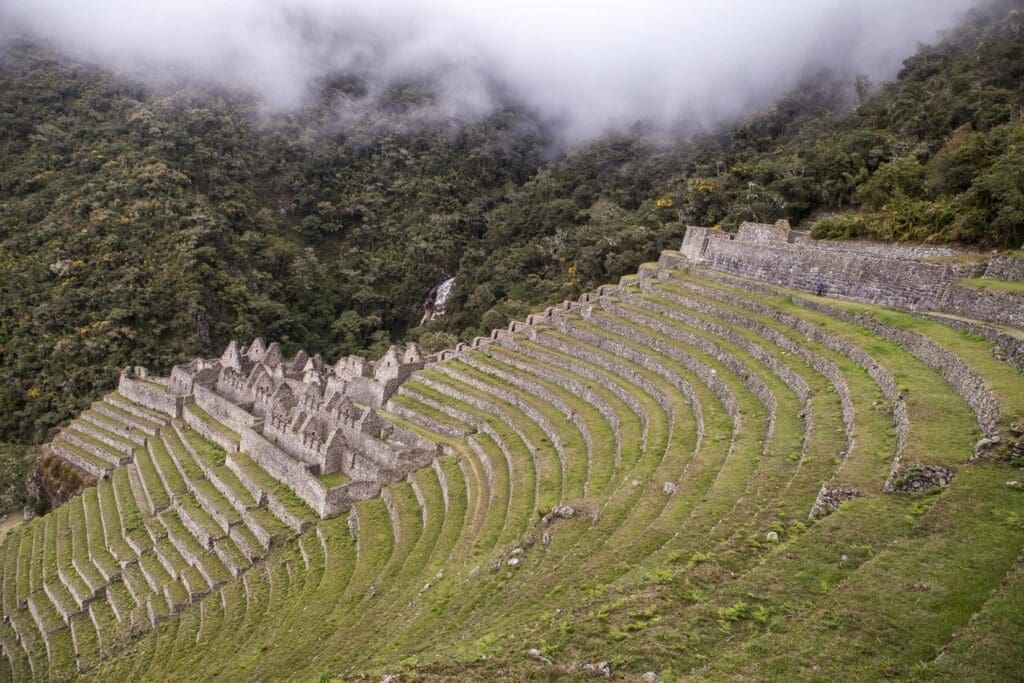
(324, 501)
(1006, 268)
(232, 415)
(151, 398)
(863, 275)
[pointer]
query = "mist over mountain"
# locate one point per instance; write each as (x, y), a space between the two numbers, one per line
(586, 67)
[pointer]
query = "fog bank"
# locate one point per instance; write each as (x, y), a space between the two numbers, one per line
(589, 65)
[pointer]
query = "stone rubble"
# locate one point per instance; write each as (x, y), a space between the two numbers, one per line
(829, 499)
(921, 479)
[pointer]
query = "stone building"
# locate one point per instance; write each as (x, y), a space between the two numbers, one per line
(300, 418)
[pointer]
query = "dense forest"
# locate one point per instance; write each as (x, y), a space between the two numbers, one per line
(144, 224)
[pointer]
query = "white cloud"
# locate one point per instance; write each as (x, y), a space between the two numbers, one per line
(591, 64)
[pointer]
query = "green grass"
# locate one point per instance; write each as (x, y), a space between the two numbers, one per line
(209, 453)
(547, 463)
(102, 614)
(84, 636)
(522, 470)
(177, 450)
(333, 480)
(221, 506)
(659, 515)
(189, 506)
(120, 603)
(105, 431)
(234, 557)
(23, 554)
(993, 283)
(783, 457)
(169, 472)
(590, 462)
(213, 422)
(876, 604)
(132, 517)
(156, 386)
(435, 415)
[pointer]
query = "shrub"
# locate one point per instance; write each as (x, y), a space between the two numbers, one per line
(844, 227)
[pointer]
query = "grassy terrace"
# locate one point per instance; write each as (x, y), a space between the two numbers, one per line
(746, 454)
(188, 506)
(150, 478)
(85, 455)
(816, 457)
(169, 473)
(209, 565)
(454, 491)
(746, 493)
(208, 453)
(928, 396)
(546, 461)
(994, 284)
(133, 412)
(873, 428)
(132, 519)
(104, 545)
(91, 571)
(333, 480)
(103, 421)
(156, 386)
(520, 473)
(284, 495)
(222, 507)
(634, 451)
(176, 449)
(122, 443)
(691, 382)
(213, 422)
(607, 541)
(109, 453)
(434, 415)
(577, 466)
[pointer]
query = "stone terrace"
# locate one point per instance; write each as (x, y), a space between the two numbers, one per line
(690, 437)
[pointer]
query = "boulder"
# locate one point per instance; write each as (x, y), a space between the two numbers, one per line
(600, 669)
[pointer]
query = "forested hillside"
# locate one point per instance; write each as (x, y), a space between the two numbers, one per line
(143, 224)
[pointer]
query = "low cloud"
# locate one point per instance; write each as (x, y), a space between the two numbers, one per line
(589, 65)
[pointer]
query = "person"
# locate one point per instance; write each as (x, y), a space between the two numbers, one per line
(821, 289)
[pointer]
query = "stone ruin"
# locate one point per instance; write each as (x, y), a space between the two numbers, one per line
(915, 277)
(299, 418)
(303, 420)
